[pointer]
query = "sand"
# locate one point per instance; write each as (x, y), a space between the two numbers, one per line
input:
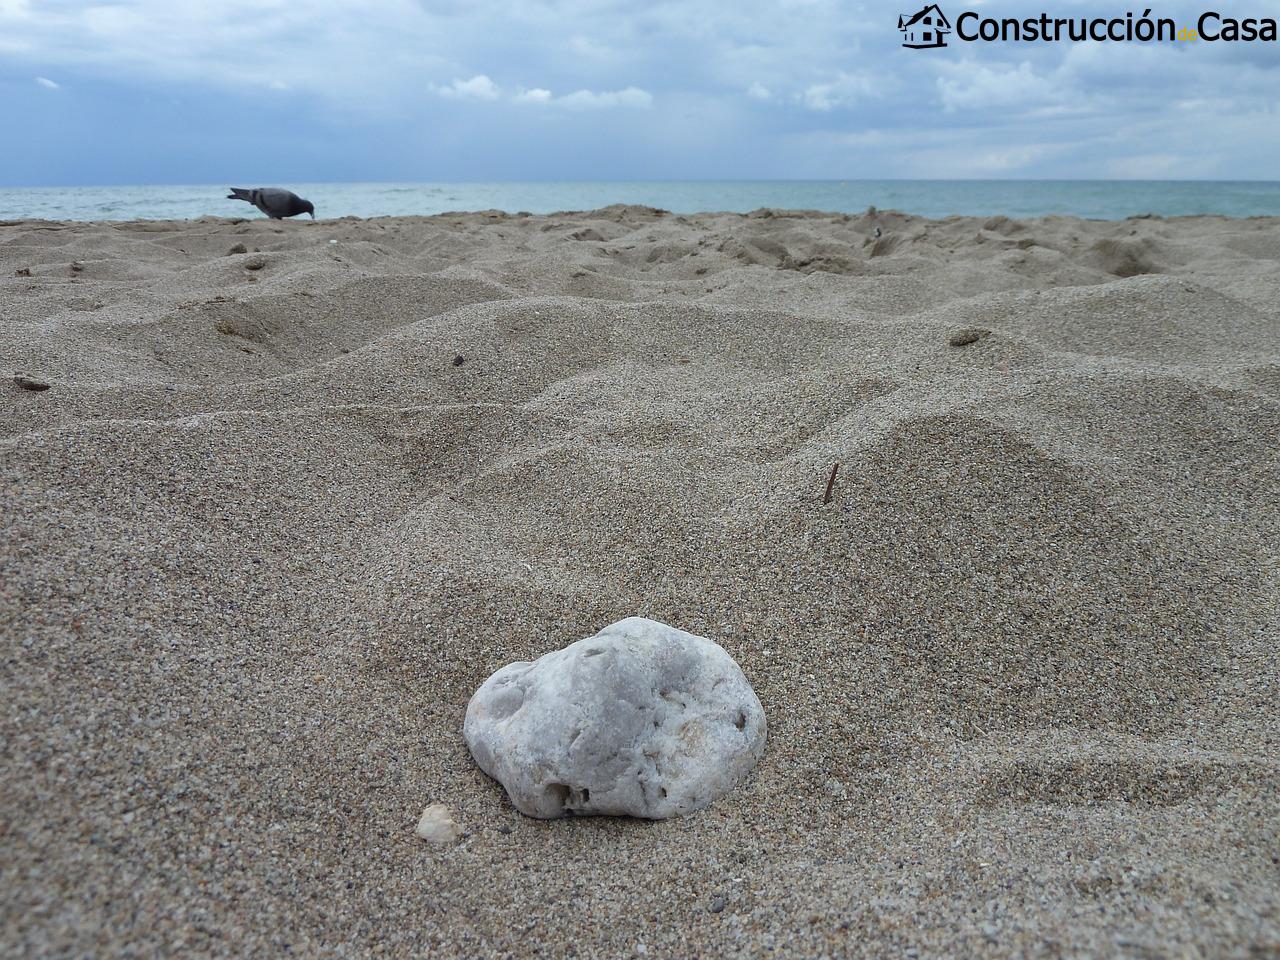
(280, 512)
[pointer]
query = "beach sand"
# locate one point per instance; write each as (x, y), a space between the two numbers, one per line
(281, 511)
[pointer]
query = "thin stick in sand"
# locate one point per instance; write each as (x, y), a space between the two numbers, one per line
(831, 483)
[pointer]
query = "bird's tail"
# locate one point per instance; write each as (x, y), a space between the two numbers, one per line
(240, 193)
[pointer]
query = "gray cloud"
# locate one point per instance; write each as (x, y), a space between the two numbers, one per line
(790, 88)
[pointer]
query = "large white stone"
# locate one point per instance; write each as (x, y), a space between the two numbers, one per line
(640, 720)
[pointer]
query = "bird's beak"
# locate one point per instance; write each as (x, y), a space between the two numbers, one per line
(313, 214)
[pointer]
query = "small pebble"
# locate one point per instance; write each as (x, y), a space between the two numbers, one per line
(966, 337)
(459, 360)
(238, 248)
(437, 825)
(717, 904)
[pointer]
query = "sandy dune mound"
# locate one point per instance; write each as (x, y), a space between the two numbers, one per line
(296, 489)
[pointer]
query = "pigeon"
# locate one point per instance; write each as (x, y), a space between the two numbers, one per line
(274, 202)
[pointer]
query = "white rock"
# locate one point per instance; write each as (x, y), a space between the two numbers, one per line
(640, 720)
(437, 825)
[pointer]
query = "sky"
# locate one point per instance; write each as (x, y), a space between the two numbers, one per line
(304, 91)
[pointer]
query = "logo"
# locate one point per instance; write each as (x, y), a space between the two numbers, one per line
(926, 30)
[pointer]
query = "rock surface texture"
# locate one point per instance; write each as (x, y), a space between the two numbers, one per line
(640, 720)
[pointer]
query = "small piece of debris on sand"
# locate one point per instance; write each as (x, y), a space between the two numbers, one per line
(831, 484)
(965, 337)
(29, 383)
(22, 272)
(459, 360)
(238, 248)
(437, 825)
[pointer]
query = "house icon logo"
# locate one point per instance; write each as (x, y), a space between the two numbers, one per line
(926, 29)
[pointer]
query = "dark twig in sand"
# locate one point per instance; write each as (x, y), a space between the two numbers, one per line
(29, 383)
(831, 483)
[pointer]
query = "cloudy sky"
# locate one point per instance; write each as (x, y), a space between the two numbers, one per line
(165, 91)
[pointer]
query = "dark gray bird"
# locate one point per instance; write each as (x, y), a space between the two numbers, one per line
(274, 202)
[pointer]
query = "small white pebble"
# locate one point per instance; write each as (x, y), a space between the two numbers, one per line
(437, 825)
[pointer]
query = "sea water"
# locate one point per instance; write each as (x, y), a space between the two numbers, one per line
(1099, 199)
